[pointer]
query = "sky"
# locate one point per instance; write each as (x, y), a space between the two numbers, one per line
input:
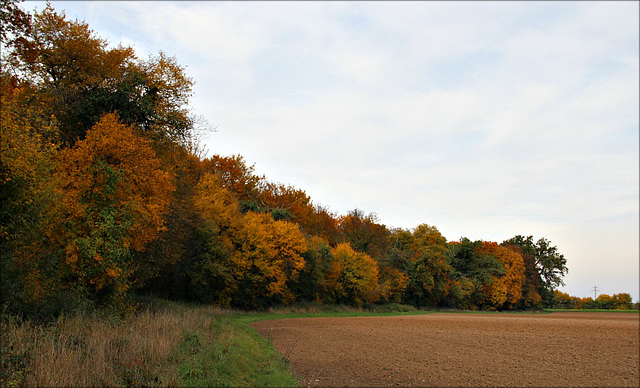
(484, 119)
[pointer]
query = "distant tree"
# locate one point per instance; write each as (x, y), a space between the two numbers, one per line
(505, 290)
(547, 263)
(428, 271)
(474, 270)
(622, 301)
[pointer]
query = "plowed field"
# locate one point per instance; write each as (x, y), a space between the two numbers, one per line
(452, 349)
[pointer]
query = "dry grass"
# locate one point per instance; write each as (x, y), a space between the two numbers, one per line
(90, 351)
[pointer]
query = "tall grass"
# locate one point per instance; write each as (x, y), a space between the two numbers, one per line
(92, 350)
(163, 345)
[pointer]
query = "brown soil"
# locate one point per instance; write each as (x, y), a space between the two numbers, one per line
(451, 349)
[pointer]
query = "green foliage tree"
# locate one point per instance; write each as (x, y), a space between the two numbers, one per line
(428, 271)
(473, 271)
(545, 266)
(312, 284)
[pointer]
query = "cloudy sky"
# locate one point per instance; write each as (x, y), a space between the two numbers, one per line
(486, 120)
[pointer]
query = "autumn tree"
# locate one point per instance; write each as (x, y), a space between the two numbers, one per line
(165, 261)
(473, 271)
(248, 259)
(562, 300)
(268, 257)
(622, 301)
(504, 290)
(353, 276)
(14, 23)
(27, 181)
(285, 202)
(428, 271)
(237, 177)
(81, 78)
(364, 233)
(545, 266)
(114, 197)
(210, 270)
(324, 224)
(392, 284)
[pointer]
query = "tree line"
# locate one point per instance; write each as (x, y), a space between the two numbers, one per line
(105, 192)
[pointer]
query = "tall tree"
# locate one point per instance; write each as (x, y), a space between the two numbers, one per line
(364, 233)
(114, 199)
(548, 263)
(14, 22)
(81, 78)
(505, 290)
(353, 277)
(27, 181)
(428, 270)
(474, 271)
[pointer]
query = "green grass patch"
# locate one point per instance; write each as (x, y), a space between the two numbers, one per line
(229, 353)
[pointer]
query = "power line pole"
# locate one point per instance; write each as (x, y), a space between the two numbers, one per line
(595, 289)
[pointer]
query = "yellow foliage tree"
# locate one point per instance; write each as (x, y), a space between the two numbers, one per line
(354, 275)
(393, 283)
(253, 255)
(269, 255)
(27, 162)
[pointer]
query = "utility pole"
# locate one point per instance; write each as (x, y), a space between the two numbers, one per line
(595, 289)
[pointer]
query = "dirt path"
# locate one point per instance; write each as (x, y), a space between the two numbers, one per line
(448, 349)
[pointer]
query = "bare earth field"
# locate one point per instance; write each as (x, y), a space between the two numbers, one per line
(560, 349)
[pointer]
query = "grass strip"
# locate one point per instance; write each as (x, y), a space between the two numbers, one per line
(227, 351)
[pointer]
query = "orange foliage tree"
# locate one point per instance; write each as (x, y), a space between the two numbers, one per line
(236, 176)
(393, 284)
(269, 256)
(505, 290)
(114, 196)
